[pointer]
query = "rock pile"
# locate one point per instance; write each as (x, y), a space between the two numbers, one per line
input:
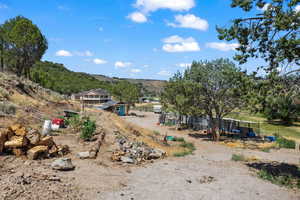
(134, 152)
(19, 141)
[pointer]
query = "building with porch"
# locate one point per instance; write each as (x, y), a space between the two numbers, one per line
(92, 97)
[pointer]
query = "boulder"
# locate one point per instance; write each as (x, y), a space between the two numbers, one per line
(33, 136)
(15, 127)
(63, 150)
(16, 142)
(37, 152)
(63, 164)
(83, 155)
(156, 154)
(53, 151)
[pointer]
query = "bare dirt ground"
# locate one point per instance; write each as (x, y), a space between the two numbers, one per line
(207, 174)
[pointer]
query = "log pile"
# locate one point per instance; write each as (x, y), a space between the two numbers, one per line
(19, 141)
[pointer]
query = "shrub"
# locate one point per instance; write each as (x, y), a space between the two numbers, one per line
(4, 93)
(285, 143)
(156, 133)
(182, 154)
(74, 122)
(238, 157)
(283, 180)
(88, 128)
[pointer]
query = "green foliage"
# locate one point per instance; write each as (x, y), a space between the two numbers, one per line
(285, 143)
(182, 154)
(56, 77)
(126, 92)
(282, 180)
(188, 145)
(276, 97)
(238, 157)
(75, 122)
(22, 44)
(88, 128)
(189, 149)
(272, 35)
(212, 88)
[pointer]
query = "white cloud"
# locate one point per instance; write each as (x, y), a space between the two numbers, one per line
(222, 46)
(189, 21)
(164, 73)
(120, 64)
(175, 5)
(3, 6)
(63, 53)
(84, 53)
(183, 65)
(176, 43)
(135, 70)
(101, 29)
(297, 8)
(266, 6)
(145, 66)
(99, 61)
(137, 17)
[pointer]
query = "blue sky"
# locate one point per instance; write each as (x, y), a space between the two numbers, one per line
(129, 38)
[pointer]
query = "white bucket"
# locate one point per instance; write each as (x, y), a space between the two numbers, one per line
(46, 128)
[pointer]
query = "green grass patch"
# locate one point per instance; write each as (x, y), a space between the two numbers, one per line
(269, 127)
(179, 139)
(285, 143)
(189, 148)
(282, 180)
(238, 157)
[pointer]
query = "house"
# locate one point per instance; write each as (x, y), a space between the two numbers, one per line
(119, 108)
(92, 97)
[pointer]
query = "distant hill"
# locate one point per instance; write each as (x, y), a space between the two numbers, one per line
(149, 86)
(58, 78)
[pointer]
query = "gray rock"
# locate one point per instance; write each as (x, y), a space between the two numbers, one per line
(125, 159)
(156, 154)
(63, 164)
(83, 155)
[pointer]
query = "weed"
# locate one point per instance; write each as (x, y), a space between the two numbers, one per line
(285, 143)
(238, 157)
(267, 149)
(179, 139)
(88, 128)
(182, 154)
(4, 93)
(156, 133)
(283, 180)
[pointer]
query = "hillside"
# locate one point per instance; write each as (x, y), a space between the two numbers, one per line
(149, 86)
(56, 77)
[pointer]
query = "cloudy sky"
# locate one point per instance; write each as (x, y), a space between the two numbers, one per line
(130, 38)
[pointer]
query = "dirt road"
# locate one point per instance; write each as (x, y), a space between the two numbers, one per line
(209, 174)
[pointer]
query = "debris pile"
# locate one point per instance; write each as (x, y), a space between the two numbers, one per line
(22, 142)
(134, 152)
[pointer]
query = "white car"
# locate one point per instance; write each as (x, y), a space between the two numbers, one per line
(157, 109)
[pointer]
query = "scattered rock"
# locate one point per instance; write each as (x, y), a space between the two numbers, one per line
(63, 164)
(46, 141)
(125, 159)
(206, 179)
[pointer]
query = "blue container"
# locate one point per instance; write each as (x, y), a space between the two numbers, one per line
(271, 138)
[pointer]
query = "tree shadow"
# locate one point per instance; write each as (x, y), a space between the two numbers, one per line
(277, 169)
